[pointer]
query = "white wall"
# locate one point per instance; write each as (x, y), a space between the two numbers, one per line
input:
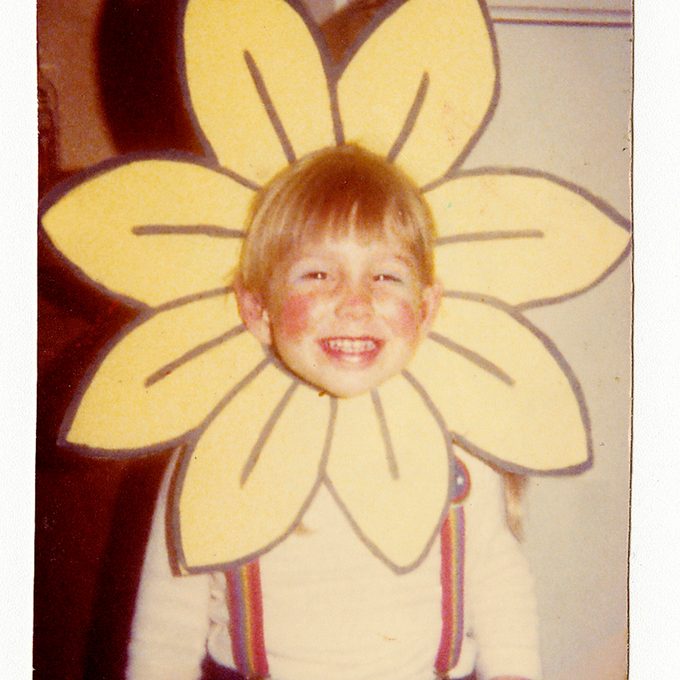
(564, 108)
(569, 5)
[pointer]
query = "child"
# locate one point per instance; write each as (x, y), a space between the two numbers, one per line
(322, 521)
(336, 279)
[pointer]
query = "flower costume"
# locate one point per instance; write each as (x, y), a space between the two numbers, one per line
(164, 233)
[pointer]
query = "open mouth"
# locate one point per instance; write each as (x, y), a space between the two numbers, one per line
(352, 350)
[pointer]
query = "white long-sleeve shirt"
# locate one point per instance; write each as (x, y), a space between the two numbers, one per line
(334, 611)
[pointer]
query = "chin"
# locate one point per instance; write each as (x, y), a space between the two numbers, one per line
(348, 389)
(349, 393)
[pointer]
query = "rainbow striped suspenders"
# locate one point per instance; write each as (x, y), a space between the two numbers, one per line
(244, 599)
(452, 540)
(246, 627)
(451, 573)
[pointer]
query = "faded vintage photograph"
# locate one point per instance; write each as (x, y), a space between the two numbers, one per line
(334, 344)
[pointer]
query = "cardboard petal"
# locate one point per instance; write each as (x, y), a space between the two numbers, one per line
(522, 238)
(389, 468)
(504, 391)
(257, 84)
(420, 86)
(164, 376)
(251, 475)
(152, 230)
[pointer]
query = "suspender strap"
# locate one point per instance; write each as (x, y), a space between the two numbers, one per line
(452, 550)
(244, 601)
(246, 629)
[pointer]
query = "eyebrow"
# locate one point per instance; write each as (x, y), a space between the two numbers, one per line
(302, 260)
(408, 261)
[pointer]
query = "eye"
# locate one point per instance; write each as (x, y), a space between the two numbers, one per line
(315, 276)
(387, 277)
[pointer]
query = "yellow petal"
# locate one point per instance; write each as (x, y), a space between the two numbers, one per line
(443, 46)
(163, 377)
(252, 473)
(503, 390)
(525, 239)
(389, 469)
(153, 230)
(246, 62)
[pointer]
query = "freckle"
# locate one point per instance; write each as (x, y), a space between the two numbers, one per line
(294, 315)
(405, 321)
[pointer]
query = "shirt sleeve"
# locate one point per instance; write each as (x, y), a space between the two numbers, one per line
(501, 604)
(171, 622)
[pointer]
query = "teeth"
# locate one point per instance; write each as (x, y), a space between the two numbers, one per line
(349, 346)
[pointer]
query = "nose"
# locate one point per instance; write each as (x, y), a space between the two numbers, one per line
(354, 302)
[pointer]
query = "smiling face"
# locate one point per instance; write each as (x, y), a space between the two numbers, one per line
(336, 271)
(344, 315)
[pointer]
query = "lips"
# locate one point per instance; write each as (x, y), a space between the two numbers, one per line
(352, 350)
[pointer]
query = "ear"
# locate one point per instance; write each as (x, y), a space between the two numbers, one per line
(429, 306)
(253, 312)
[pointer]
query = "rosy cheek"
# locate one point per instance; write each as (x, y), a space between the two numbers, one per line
(294, 316)
(404, 320)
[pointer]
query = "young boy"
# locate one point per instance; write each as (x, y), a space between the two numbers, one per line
(336, 280)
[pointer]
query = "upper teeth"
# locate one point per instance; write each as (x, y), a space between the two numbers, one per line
(351, 346)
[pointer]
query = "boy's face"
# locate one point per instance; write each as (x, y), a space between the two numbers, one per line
(344, 315)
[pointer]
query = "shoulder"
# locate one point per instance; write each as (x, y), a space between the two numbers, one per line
(484, 504)
(483, 478)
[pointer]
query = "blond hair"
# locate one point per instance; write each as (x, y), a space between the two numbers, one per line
(332, 193)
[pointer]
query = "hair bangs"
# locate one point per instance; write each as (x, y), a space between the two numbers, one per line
(332, 194)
